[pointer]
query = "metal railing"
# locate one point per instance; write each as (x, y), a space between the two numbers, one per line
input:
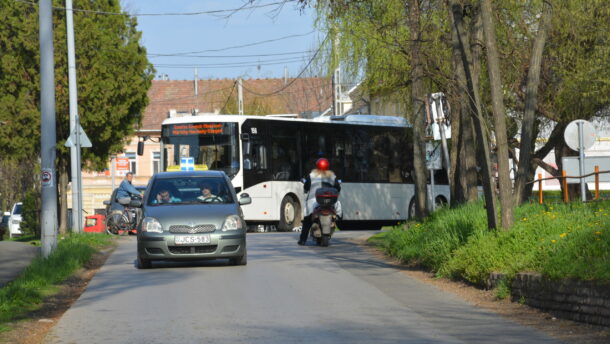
(564, 183)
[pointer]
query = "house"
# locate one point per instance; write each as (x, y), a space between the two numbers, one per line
(173, 98)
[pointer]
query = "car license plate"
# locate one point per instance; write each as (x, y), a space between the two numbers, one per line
(192, 239)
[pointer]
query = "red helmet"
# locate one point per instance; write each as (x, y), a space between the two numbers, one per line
(322, 164)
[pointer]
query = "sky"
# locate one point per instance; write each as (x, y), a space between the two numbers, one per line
(294, 38)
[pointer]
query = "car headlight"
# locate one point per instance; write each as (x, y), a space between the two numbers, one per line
(232, 223)
(150, 224)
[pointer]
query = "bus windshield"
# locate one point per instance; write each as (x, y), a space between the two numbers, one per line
(212, 146)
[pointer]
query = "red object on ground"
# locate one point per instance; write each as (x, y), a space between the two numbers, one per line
(95, 223)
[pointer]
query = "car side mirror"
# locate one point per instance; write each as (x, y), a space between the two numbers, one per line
(135, 203)
(106, 202)
(244, 199)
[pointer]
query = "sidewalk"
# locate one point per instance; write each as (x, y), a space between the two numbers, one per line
(14, 258)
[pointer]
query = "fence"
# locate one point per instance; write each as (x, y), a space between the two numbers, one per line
(564, 183)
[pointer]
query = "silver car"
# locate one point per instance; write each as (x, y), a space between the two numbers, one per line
(191, 216)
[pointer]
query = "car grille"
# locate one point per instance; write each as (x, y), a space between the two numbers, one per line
(192, 249)
(192, 229)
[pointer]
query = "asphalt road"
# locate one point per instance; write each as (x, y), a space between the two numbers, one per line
(286, 294)
(14, 258)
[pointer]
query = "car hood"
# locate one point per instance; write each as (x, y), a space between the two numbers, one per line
(191, 214)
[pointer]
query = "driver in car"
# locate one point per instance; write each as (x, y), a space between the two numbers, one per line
(165, 197)
(207, 195)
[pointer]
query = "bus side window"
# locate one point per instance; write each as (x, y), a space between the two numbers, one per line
(261, 157)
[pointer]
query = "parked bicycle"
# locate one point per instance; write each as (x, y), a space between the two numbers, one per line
(122, 221)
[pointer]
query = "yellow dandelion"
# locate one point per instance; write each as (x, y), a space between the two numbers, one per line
(524, 219)
(563, 235)
(553, 241)
(598, 233)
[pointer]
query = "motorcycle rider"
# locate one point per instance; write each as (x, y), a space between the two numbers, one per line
(317, 178)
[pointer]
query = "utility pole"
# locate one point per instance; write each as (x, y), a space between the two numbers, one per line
(48, 138)
(196, 82)
(336, 92)
(75, 165)
(240, 97)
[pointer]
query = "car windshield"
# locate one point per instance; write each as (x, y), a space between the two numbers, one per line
(17, 209)
(190, 190)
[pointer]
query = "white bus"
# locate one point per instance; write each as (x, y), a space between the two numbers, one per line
(266, 157)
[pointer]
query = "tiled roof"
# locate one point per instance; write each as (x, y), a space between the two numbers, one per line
(303, 94)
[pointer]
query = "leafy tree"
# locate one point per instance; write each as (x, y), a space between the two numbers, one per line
(113, 76)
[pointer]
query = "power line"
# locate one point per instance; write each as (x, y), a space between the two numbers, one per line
(229, 64)
(229, 97)
(248, 44)
(316, 86)
(231, 56)
(244, 8)
(293, 80)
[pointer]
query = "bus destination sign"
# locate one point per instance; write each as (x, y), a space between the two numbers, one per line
(196, 129)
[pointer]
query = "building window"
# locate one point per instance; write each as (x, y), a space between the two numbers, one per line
(156, 157)
(132, 162)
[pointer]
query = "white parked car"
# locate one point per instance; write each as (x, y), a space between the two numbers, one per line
(14, 222)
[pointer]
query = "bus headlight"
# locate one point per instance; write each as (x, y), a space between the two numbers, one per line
(232, 223)
(150, 224)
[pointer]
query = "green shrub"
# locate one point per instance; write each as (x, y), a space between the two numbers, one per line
(559, 241)
(30, 224)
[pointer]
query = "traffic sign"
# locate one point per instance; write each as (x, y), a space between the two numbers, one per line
(46, 177)
(84, 139)
(571, 134)
(122, 166)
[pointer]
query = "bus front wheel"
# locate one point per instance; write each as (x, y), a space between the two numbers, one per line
(290, 214)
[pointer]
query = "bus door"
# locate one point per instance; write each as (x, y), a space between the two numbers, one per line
(256, 165)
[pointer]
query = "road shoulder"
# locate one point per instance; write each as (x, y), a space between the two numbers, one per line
(37, 324)
(565, 330)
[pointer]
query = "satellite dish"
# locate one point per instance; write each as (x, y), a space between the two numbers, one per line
(571, 134)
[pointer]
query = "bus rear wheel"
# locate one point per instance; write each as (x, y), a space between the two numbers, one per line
(290, 214)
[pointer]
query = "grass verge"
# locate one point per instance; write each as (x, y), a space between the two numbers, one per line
(43, 276)
(557, 240)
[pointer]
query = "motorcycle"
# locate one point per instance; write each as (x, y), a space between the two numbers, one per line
(325, 214)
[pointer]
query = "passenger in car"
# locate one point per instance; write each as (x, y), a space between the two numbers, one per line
(165, 197)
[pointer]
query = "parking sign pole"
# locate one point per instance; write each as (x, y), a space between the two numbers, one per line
(48, 139)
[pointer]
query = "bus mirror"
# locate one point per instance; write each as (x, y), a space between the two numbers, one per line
(245, 137)
(140, 148)
(247, 148)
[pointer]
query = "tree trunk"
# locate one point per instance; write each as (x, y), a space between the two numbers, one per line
(63, 195)
(465, 180)
(418, 95)
(531, 95)
(475, 106)
(499, 115)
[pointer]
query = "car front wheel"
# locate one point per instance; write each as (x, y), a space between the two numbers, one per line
(243, 260)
